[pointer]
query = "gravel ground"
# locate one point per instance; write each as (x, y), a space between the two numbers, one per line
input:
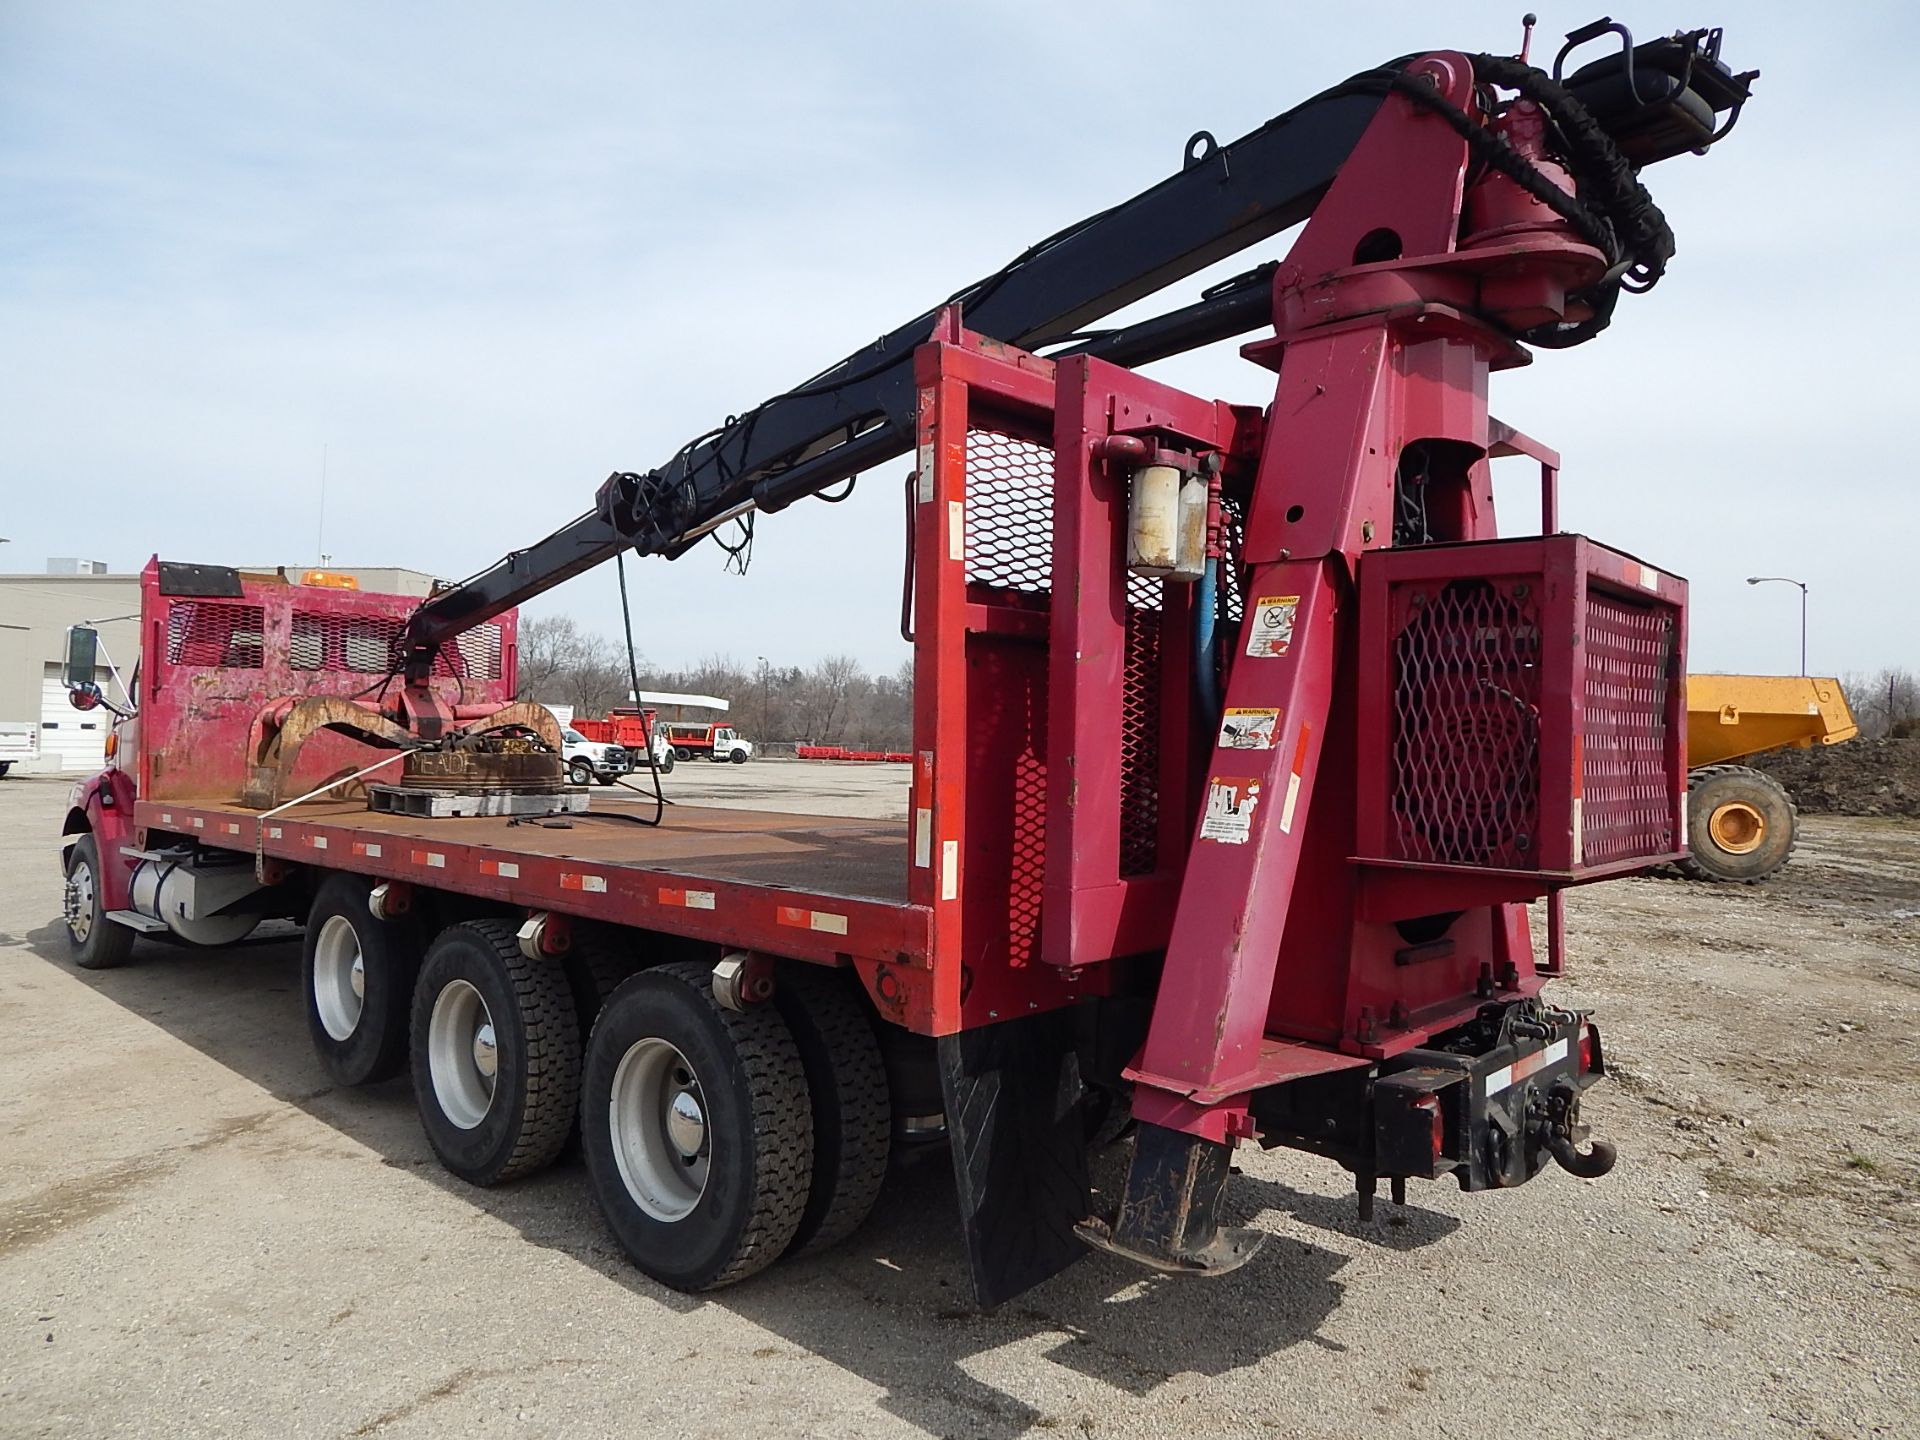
(199, 1237)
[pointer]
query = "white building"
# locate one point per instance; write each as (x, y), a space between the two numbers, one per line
(36, 723)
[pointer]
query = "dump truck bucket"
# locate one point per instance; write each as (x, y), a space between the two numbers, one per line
(1731, 716)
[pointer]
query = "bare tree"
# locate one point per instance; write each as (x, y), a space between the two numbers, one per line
(561, 664)
(1887, 703)
(831, 702)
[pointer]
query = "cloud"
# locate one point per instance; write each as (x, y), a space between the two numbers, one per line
(484, 255)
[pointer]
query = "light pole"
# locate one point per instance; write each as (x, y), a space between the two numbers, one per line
(765, 731)
(1789, 580)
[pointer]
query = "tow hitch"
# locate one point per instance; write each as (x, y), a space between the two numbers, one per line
(1556, 1124)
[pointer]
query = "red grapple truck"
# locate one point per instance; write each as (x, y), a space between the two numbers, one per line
(1242, 740)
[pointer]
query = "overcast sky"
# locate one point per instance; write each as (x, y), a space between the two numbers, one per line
(484, 254)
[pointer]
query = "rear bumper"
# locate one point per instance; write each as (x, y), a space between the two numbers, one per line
(1492, 1120)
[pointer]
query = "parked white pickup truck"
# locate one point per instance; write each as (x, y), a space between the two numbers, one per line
(590, 760)
(19, 742)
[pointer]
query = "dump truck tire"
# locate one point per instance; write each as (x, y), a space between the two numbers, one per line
(697, 1129)
(357, 973)
(1741, 824)
(496, 1054)
(98, 943)
(852, 1107)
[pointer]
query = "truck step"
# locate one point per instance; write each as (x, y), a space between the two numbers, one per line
(134, 920)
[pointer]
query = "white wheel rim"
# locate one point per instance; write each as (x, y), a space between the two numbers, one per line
(339, 977)
(462, 1054)
(662, 1140)
(79, 901)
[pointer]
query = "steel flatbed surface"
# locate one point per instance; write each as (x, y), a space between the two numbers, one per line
(809, 886)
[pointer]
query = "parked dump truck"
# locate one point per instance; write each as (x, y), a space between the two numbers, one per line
(1741, 822)
(1242, 741)
(716, 741)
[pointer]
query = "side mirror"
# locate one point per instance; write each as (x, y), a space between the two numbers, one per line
(85, 697)
(83, 654)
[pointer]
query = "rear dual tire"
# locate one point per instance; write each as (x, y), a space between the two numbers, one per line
(697, 1129)
(851, 1102)
(358, 975)
(496, 1054)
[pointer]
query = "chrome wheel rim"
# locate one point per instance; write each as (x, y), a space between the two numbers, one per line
(662, 1137)
(462, 1054)
(78, 901)
(339, 977)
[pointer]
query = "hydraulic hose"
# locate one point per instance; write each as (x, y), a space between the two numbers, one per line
(1206, 671)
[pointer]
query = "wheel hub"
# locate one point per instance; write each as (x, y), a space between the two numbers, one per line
(1737, 827)
(463, 1058)
(339, 977)
(486, 1056)
(686, 1125)
(657, 1120)
(77, 902)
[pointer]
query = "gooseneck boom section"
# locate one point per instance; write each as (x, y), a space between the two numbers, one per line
(1614, 116)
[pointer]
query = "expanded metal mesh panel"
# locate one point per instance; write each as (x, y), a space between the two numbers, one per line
(372, 645)
(1233, 597)
(1466, 725)
(1627, 809)
(479, 653)
(1009, 525)
(216, 634)
(367, 645)
(1028, 871)
(1140, 730)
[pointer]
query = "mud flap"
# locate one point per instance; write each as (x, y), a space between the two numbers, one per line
(1013, 1102)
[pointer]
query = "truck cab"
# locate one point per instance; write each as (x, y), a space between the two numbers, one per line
(591, 760)
(728, 746)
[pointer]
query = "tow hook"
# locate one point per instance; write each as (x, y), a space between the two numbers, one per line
(1559, 1130)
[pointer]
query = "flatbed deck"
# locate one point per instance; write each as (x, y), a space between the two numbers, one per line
(814, 886)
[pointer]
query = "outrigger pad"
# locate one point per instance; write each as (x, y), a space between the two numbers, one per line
(1169, 1217)
(1013, 1099)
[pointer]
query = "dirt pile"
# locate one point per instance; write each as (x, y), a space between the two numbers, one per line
(1857, 777)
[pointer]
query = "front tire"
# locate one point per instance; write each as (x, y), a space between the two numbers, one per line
(739, 757)
(98, 943)
(496, 1054)
(1740, 824)
(606, 779)
(697, 1129)
(358, 975)
(580, 772)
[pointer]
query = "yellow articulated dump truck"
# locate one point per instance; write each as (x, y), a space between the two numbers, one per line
(1740, 821)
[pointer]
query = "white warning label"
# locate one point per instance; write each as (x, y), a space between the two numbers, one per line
(1271, 634)
(1248, 729)
(1229, 813)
